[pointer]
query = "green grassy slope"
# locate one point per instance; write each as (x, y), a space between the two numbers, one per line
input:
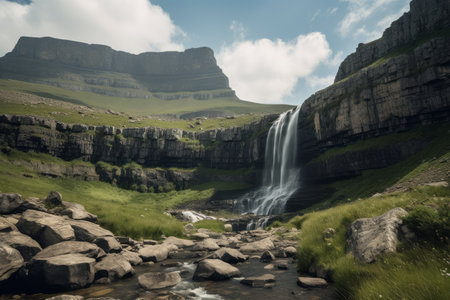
(143, 106)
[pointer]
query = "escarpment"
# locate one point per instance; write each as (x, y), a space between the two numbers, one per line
(391, 85)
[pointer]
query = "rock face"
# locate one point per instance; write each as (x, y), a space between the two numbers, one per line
(230, 148)
(370, 237)
(100, 69)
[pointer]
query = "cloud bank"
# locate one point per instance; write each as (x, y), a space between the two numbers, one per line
(266, 71)
(133, 26)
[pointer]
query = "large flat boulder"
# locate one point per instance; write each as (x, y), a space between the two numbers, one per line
(180, 243)
(158, 280)
(258, 246)
(311, 282)
(154, 253)
(9, 203)
(45, 228)
(21, 242)
(259, 281)
(112, 267)
(370, 237)
(68, 271)
(206, 245)
(71, 247)
(228, 255)
(10, 261)
(6, 225)
(88, 231)
(33, 203)
(77, 212)
(215, 269)
(109, 244)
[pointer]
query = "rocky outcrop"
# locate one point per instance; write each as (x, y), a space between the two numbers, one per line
(370, 237)
(230, 148)
(394, 84)
(100, 69)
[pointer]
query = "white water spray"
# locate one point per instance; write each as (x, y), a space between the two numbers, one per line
(281, 173)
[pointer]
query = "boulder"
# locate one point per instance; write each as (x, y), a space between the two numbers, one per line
(66, 297)
(369, 237)
(258, 246)
(228, 255)
(33, 203)
(68, 271)
(200, 236)
(290, 251)
(54, 199)
(9, 203)
(150, 242)
(154, 253)
(228, 227)
(125, 240)
(112, 267)
(215, 269)
(21, 242)
(267, 257)
(45, 228)
(180, 243)
(10, 261)
(77, 212)
(259, 281)
(132, 257)
(206, 245)
(189, 227)
(71, 247)
(282, 264)
(158, 280)
(88, 231)
(6, 226)
(311, 282)
(108, 243)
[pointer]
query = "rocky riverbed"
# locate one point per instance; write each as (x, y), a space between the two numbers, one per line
(48, 252)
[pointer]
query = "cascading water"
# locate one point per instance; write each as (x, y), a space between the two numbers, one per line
(281, 173)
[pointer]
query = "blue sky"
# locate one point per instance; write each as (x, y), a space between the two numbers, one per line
(273, 51)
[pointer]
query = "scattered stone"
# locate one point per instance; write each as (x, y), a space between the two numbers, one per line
(158, 280)
(290, 251)
(180, 243)
(311, 282)
(21, 242)
(267, 257)
(258, 246)
(9, 203)
(207, 244)
(54, 199)
(66, 297)
(109, 244)
(370, 237)
(124, 240)
(215, 269)
(172, 264)
(189, 228)
(33, 203)
(132, 257)
(228, 255)
(259, 281)
(269, 267)
(150, 242)
(282, 264)
(87, 231)
(45, 228)
(71, 247)
(200, 236)
(154, 253)
(10, 261)
(77, 212)
(112, 267)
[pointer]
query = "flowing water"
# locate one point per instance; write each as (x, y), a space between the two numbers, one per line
(281, 172)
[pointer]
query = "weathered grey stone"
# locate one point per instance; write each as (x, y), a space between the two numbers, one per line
(33, 203)
(206, 245)
(54, 198)
(200, 236)
(258, 281)
(132, 257)
(150, 242)
(77, 212)
(371, 237)
(6, 226)
(228, 255)
(282, 264)
(88, 231)
(311, 282)
(112, 267)
(290, 251)
(153, 253)
(228, 227)
(10, 261)
(258, 246)
(66, 297)
(158, 280)
(71, 247)
(215, 269)
(180, 243)
(108, 243)
(267, 257)
(9, 203)
(45, 228)
(189, 228)
(21, 242)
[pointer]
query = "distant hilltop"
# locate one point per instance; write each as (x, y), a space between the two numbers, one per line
(103, 70)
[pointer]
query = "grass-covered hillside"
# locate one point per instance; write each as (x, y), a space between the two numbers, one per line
(145, 106)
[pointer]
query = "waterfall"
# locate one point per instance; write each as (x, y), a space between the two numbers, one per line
(281, 172)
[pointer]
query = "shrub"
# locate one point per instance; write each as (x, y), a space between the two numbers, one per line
(168, 187)
(142, 188)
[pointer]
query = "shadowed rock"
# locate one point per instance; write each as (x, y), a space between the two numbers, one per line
(112, 267)
(108, 243)
(71, 247)
(228, 255)
(88, 231)
(215, 269)
(9, 203)
(258, 246)
(54, 199)
(132, 257)
(267, 257)
(10, 261)
(154, 253)
(259, 281)
(21, 242)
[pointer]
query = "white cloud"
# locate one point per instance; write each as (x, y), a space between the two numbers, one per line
(361, 10)
(238, 30)
(316, 14)
(316, 82)
(336, 59)
(266, 71)
(332, 11)
(134, 26)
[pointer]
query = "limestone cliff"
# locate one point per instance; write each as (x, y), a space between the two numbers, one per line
(393, 84)
(100, 69)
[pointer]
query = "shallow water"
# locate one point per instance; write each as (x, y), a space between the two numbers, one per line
(128, 289)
